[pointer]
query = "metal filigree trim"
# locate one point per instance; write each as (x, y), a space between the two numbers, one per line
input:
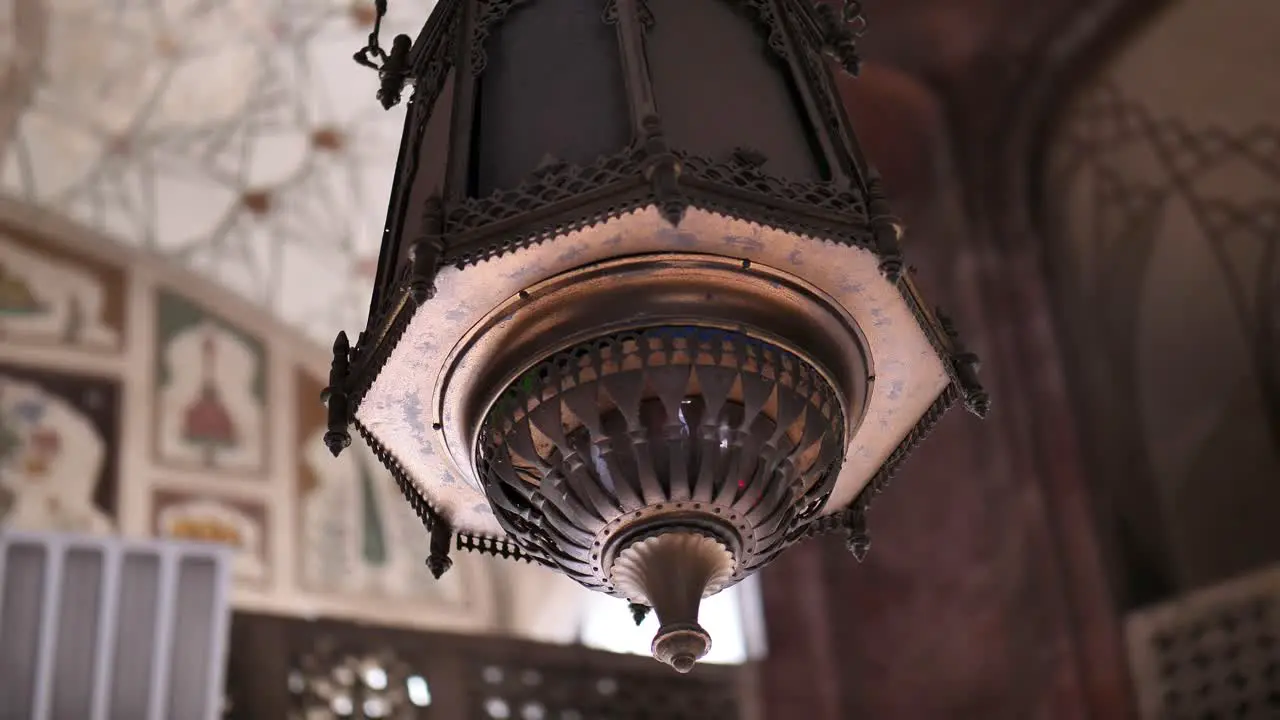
(643, 12)
(490, 14)
(553, 183)
(421, 507)
(562, 197)
(479, 543)
(766, 16)
(852, 521)
(841, 200)
(432, 61)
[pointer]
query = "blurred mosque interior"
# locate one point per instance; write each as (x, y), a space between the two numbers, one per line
(192, 197)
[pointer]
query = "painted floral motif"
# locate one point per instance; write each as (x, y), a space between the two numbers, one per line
(206, 421)
(47, 299)
(53, 458)
(204, 519)
(373, 540)
(357, 534)
(359, 537)
(212, 389)
(16, 297)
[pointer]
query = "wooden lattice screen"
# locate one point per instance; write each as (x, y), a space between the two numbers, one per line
(303, 670)
(1212, 655)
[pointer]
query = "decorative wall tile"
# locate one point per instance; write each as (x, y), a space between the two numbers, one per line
(211, 391)
(58, 447)
(49, 296)
(204, 518)
(358, 535)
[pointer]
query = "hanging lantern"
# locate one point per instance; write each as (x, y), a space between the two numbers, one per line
(639, 313)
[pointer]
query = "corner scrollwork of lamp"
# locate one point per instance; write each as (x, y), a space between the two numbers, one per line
(640, 313)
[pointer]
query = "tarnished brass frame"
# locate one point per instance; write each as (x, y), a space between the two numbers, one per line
(642, 291)
(368, 358)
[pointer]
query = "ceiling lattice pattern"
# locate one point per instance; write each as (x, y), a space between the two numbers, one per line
(1170, 271)
(235, 136)
(1211, 654)
(1199, 169)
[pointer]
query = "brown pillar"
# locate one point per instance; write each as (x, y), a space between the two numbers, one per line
(984, 595)
(801, 677)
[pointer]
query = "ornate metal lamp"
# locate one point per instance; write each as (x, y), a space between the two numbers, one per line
(639, 314)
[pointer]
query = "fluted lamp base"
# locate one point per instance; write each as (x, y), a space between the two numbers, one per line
(672, 572)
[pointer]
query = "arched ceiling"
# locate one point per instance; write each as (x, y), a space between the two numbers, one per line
(236, 136)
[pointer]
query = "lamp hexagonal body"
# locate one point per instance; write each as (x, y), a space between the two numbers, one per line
(638, 283)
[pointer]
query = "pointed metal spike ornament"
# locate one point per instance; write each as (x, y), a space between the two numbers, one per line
(639, 612)
(640, 313)
(337, 437)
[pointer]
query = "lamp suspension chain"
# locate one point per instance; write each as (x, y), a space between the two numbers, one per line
(393, 67)
(851, 13)
(372, 52)
(840, 29)
(841, 38)
(854, 17)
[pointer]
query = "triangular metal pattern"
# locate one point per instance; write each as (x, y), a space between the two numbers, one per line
(815, 428)
(652, 488)
(548, 418)
(555, 521)
(519, 440)
(627, 495)
(706, 450)
(773, 513)
(670, 383)
(666, 418)
(498, 492)
(626, 389)
(829, 458)
(512, 483)
(730, 481)
(756, 391)
(583, 402)
(716, 382)
(582, 481)
(558, 491)
(753, 489)
(790, 408)
(679, 450)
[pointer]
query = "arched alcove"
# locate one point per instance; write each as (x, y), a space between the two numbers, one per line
(1162, 197)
